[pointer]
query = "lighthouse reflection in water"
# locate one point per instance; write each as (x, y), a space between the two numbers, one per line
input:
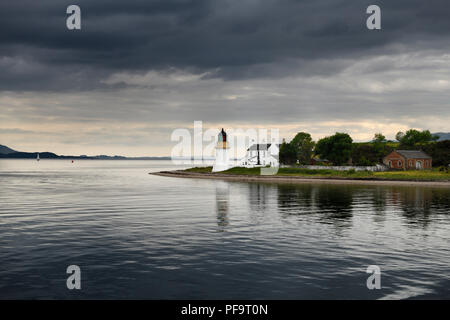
(222, 204)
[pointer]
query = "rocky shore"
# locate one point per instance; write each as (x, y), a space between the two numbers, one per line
(297, 179)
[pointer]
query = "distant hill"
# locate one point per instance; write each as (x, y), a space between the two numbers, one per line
(30, 155)
(6, 150)
(9, 153)
(443, 135)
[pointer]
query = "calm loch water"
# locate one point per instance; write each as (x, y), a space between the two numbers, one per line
(136, 235)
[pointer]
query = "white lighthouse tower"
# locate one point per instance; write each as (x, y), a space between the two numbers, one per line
(222, 162)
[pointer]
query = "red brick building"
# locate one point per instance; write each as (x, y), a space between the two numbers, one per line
(408, 160)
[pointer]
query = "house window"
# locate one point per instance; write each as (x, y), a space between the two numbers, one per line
(390, 164)
(410, 163)
(399, 163)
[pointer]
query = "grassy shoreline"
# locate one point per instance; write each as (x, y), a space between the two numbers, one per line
(413, 175)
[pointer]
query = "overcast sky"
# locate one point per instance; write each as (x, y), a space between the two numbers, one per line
(138, 69)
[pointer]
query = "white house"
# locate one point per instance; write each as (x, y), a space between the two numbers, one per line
(262, 154)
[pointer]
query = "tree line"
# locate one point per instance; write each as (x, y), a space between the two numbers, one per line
(339, 149)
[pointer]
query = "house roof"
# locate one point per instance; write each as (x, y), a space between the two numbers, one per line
(413, 154)
(262, 146)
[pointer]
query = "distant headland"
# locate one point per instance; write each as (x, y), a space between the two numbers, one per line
(8, 153)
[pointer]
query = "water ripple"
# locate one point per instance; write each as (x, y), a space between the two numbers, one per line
(140, 236)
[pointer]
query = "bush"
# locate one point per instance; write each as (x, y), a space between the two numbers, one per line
(439, 151)
(443, 169)
(369, 154)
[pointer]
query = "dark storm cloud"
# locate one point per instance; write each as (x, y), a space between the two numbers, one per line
(236, 39)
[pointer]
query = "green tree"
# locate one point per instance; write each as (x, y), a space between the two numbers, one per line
(414, 138)
(379, 146)
(399, 136)
(287, 154)
(336, 148)
(303, 145)
(379, 138)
